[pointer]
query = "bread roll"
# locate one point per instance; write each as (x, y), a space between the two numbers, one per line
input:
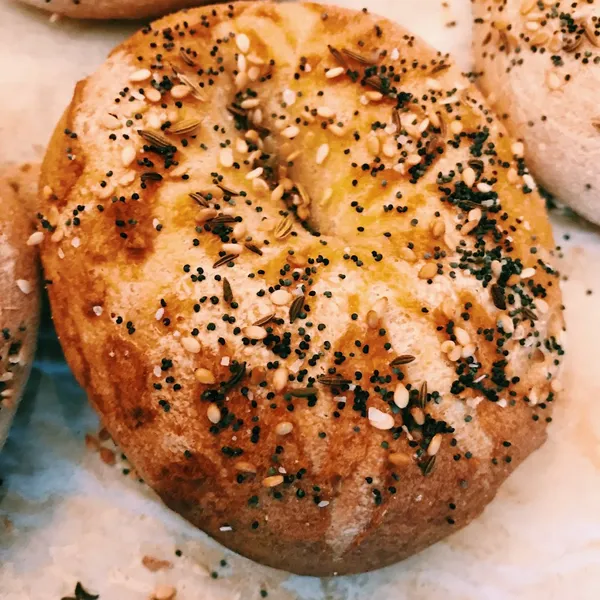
(538, 64)
(113, 9)
(19, 303)
(309, 290)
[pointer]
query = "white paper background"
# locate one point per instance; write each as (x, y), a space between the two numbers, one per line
(73, 518)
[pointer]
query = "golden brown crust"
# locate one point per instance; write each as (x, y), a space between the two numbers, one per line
(19, 281)
(157, 338)
(112, 9)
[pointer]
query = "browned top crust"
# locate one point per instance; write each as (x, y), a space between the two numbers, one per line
(305, 279)
(19, 282)
(113, 9)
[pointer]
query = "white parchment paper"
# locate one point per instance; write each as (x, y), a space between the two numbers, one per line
(65, 516)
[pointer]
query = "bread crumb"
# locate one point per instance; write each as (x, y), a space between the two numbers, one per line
(107, 456)
(156, 564)
(91, 442)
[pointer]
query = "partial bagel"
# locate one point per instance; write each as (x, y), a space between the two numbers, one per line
(19, 281)
(538, 63)
(113, 9)
(309, 290)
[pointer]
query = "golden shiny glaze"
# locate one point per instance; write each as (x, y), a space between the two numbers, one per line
(112, 9)
(388, 270)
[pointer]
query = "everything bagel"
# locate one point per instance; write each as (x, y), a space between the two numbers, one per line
(305, 278)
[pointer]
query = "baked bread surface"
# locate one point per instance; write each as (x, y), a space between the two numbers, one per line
(538, 63)
(303, 279)
(112, 9)
(19, 281)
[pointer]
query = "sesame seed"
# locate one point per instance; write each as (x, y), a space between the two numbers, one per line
(253, 73)
(235, 249)
(290, 132)
(191, 344)
(35, 238)
(527, 273)
(408, 255)
(455, 354)
(335, 72)
(205, 214)
(243, 42)
(244, 467)
(284, 428)
(469, 176)
(289, 96)
(127, 155)
(462, 336)
(250, 103)
(24, 285)
(140, 75)
(506, 323)
(272, 481)
(152, 95)
(553, 81)
(434, 445)
(379, 419)
(226, 157)
(401, 396)
(213, 413)
(389, 148)
(447, 346)
(399, 459)
(469, 350)
(277, 193)
(337, 130)
(322, 153)
(518, 149)
(254, 332)
(47, 192)
(281, 297)
(428, 271)
(255, 173)
(180, 91)
(204, 376)
(373, 145)
(456, 127)
(373, 96)
(418, 415)
(325, 112)
(280, 379)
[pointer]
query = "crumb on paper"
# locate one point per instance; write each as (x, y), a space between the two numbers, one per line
(154, 564)
(164, 592)
(107, 456)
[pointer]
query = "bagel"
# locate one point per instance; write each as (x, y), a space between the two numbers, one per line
(112, 9)
(538, 64)
(309, 290)
(20, 303)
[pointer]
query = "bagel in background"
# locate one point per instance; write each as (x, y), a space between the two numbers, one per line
(113, 9)
(303, 281)
(19, 281)
(540, 69)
